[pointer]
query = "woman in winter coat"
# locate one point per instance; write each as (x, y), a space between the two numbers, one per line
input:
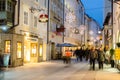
(101, 58)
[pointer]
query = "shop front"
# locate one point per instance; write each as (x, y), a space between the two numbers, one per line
(20, 49)
(11, 49)
(32, 50)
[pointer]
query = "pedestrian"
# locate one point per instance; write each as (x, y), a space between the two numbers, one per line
(107, 56)
(101, 58)
(76, 53)
(80, 54)
(68, 55)
(93, 57)
(86, 54)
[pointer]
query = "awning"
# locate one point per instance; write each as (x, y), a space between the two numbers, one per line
(66, 45)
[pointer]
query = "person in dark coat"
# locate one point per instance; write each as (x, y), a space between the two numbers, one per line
(93, 57)
(76, 53)
(101, 58)
(80, 54)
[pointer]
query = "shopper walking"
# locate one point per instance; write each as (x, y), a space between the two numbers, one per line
(101, 58)
(93, 57)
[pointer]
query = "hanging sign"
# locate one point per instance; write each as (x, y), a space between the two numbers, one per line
(43, 18)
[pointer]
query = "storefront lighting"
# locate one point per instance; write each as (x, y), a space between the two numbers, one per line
(27, 34)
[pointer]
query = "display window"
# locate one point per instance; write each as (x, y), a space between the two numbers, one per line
(33, 50)
(19, 49)
(7, 46)
(40, 50)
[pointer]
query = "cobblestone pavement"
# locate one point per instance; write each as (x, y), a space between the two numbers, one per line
(56, 70)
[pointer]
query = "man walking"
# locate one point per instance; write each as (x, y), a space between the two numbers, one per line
(93, 57)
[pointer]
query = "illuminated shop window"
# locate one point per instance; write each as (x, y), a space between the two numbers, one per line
(7, 46)
(40, 51)
(33, 50)
(19, 49)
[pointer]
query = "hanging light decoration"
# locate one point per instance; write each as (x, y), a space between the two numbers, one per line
(70, 17)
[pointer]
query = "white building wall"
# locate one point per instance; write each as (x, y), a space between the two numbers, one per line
(116, 25)
(107, 8)
(77, 11)
(41, 29)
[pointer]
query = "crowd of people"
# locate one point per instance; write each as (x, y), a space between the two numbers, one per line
(92, 55)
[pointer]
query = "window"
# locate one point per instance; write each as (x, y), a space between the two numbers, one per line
(37, 0)
(26, 18)
(40, 51)
(9, 6)
(35, 21)
(2, 5)
(33, 50)
(7, 46)
(45, 3)
(19, 49)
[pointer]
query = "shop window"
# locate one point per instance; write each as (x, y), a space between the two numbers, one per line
(7, 46)
(19, 49)
(40, 50)
(33, 50)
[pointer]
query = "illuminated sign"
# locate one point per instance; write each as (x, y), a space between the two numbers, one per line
(117, 54)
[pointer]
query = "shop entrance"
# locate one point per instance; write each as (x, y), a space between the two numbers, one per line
(30, 52)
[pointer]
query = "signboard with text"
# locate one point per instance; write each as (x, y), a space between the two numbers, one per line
(117, 54)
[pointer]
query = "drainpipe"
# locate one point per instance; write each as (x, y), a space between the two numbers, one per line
(63, 17)
(48, 23)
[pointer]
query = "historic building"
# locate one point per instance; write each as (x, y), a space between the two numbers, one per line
(22, 31)
(56, 27)
(116, 30)
(74, 19)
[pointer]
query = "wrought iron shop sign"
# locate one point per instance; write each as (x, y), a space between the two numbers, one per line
(43, 18)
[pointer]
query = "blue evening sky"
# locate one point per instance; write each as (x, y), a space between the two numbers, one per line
(94, 8)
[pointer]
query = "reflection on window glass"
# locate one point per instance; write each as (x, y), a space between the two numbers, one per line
(19, 49)
(7, 46)
(40, 53)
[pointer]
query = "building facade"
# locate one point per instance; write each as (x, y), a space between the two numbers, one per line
(94, 27)
(74, 18)
(116, 30)
(26, 40)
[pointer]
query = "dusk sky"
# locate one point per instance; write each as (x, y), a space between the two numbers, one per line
(94, 8)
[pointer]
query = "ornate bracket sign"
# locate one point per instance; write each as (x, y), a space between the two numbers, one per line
(43, 18)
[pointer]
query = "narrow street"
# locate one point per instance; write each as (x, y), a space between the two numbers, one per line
(56, 70)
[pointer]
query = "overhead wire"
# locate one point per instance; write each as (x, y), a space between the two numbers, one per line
(98, 8)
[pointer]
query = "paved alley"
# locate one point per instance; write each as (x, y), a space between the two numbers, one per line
(56, 70)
